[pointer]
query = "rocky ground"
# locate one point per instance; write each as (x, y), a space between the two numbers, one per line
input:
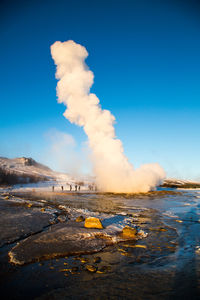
(44, 230)
(99, 246)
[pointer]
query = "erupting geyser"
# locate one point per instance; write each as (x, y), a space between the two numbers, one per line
(113, 171)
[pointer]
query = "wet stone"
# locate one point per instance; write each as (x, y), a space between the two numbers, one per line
(62, 218)
(83, 260)
(60, 240)
(18, 222)
(162, 229)
(93, 222)
(104, 269)
(129, 232)
(91, 268)
(52, 220)
(125, 254)
(5, 194)
(80, 219)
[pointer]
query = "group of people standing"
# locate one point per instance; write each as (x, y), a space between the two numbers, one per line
(76, 188)
(92, 187)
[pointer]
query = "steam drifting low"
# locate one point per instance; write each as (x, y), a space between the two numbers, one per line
(111, 167)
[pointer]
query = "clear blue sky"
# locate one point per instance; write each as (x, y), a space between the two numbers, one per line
(145, 56)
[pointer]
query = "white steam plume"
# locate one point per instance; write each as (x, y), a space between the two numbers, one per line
(113, 171)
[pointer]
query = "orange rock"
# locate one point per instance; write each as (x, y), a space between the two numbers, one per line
(129, 232)
(93, 222)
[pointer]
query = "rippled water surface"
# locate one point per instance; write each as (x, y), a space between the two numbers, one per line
(163, 265)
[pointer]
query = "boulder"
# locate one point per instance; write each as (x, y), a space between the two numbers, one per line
(129, 232)
(93, 222)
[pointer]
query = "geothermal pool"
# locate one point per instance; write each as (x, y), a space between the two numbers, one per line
(164, 263)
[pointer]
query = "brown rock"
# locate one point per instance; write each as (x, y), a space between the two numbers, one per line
(83, 260)
(80, 219)
(104, 269)
(91, 268)
(93, 222)
(62, 218)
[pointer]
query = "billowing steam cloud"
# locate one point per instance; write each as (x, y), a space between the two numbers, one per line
(113, 171)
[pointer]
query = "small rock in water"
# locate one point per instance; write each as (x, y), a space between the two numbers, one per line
(93, 222)
(62, 218)
(104, 269)
(162, 229)
(43, 201)
(197, 251)
(129, 232)
(91, 268)
(83, 260)
(125, 253)
(80, 219)
(52, 221)
(135, 246)
(97, 259)
(121, 250)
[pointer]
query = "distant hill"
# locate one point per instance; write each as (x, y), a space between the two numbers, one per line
(23, 170)
(176, 183)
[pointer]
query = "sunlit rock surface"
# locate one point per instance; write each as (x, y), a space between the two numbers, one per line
(93, 222)
(33, 225)
(61, 239)
(129, 232)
